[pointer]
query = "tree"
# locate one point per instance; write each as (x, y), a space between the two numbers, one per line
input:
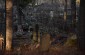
(73, 11)
(22, 3)
(8, 24)
(36, 29)
(81, 26)
(65, 15)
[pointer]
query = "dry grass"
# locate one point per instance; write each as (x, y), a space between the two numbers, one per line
(52, 51)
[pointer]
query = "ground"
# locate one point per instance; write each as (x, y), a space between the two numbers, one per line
(63, 50)
(69, 48)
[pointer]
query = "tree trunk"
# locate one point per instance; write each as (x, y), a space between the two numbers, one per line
(73, 13)
(65, 15)
(65, 11)
(8, 25)
(81, 26)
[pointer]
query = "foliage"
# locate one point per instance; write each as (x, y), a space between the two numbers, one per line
(71, 41)
(23, 3)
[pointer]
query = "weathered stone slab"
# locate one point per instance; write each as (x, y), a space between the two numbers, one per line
(45, 42)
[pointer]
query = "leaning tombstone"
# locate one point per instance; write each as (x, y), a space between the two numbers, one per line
(1, 42)
(34, 37)
(38, 37)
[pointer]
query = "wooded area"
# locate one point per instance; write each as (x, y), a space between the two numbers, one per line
(45, 35)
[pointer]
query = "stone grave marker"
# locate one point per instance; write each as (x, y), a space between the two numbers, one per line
(45, 42)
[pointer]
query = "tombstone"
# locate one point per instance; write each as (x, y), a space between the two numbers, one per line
(45, 42)
(1, 42)
(35, 38)
(38, 37)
